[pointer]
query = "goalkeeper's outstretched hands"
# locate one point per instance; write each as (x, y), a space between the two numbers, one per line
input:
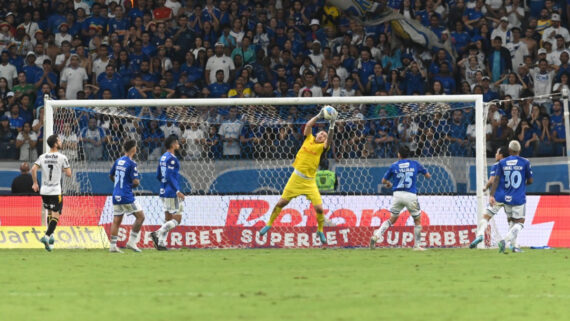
(321, 113)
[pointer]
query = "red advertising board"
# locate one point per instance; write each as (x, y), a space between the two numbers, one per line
(238, 216)
(300, 237)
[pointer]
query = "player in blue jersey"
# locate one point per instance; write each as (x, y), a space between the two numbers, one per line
(404, 173)
(125, 175)
(172, 198)
(515, 173)
(499, 197)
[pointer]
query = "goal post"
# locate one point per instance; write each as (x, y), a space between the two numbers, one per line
(244, 207)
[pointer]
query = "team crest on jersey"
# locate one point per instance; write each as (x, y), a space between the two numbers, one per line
(512, 162)
(172, 162)
(404, 165)
(117, 198)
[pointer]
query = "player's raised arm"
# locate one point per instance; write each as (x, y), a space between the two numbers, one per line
(309, 125)
(35, 186)
(330, 134)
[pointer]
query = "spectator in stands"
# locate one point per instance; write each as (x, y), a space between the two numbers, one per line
(457, 135)
(152, 138)
(219, 62)
(7, 70)
(543, 77)
(92, 139)
(22, 184)
(16, 120)
(193, 141)
(546, 142)
(26, 142)
(73, 78)
(219, 88)
(309, 81)
(213, 141)
(112, 81)
(229, 132)
(528, 138)
(24, 88)
(7, 139)
(555, 29)
(70, 142)
(501, 134)
(514, 88)
(499, 59)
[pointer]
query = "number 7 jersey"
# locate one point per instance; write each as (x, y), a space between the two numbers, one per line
(513, 173)
(52, 165)
(404, 174)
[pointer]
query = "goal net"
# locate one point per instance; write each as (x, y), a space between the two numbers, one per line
(236, 157)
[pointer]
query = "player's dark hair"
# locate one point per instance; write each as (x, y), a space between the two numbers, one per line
(170, 140)
(504, 151)
(404, 152)
(129, 144)
(52, 140)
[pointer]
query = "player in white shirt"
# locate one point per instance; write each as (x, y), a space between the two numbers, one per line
(53, 164)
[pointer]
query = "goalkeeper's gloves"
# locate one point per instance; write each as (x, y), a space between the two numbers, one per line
(331, 126)
(321, 113)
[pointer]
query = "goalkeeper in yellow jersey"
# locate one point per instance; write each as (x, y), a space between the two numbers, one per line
(302, 180)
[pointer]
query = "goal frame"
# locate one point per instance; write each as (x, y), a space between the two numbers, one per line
(480, 161)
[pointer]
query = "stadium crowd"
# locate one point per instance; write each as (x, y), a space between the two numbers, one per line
(506, 50)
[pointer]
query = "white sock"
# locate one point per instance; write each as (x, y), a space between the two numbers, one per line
(164, 229)
(418, 235)
(134, 237)
(513, 233)
(483, 223)
(514, 239)
(385, 226)
(114, 241)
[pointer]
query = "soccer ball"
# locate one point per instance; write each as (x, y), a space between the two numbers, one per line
(329, 112)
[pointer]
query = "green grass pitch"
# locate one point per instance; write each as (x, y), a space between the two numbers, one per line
(314, 284)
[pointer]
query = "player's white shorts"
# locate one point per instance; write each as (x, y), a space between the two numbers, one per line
(121, 209)
(493, 210)
(401, 199)
(172, 205)
(515, 211)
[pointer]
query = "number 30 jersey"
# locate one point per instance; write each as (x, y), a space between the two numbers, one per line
(125, 171)
(52, 165)
(404, 174)
(513, 173)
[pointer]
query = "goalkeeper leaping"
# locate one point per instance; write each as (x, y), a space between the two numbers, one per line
(302, 180)
(404, 173)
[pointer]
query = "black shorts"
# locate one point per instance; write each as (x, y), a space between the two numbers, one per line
(53, 203)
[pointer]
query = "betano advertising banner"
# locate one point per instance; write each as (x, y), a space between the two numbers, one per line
(234, 220)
